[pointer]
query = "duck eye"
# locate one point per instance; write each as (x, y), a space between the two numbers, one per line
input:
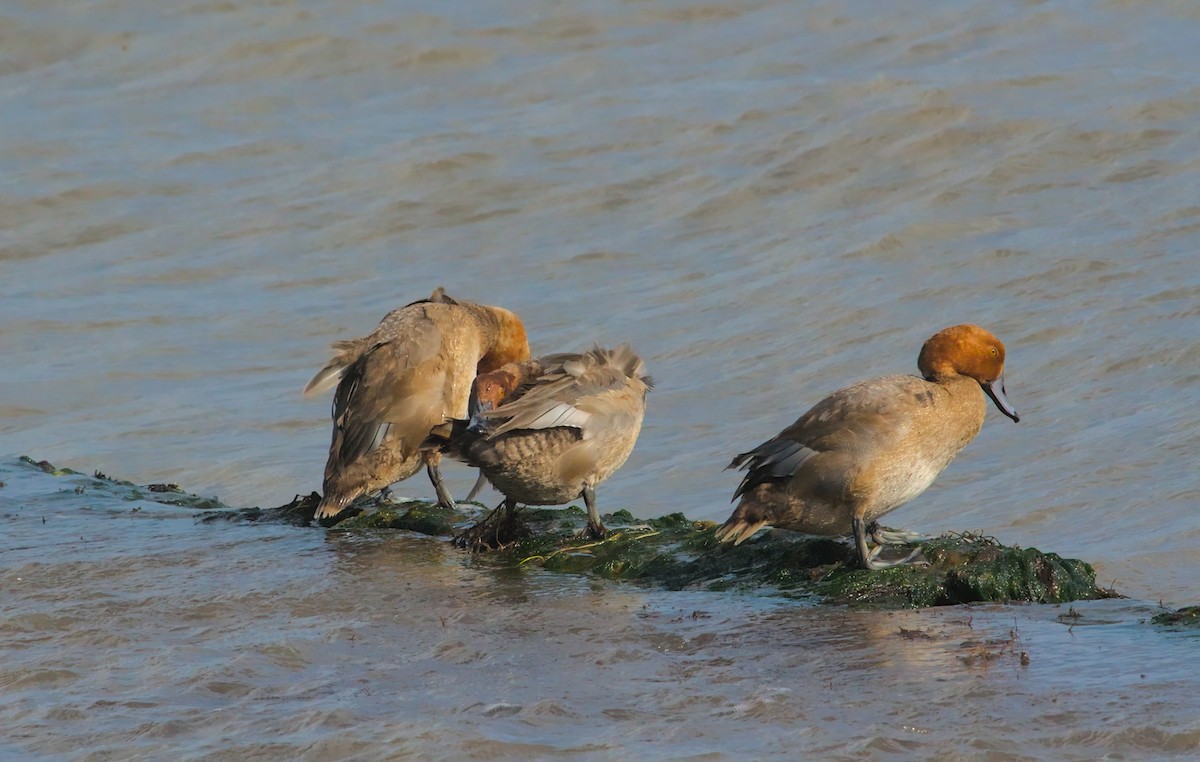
(995, 352)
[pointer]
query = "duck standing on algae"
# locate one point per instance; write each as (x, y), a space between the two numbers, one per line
(397, 383)
(440, 375)
(871, 447)
(548, 431)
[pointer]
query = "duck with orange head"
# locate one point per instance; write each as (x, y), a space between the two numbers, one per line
(871, 447)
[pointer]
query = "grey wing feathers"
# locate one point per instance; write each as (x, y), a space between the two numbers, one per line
(548, 401)
(570, 389)
(324, 379)
(774, 459)
(360, 433)
(345, 352)
(837, 417)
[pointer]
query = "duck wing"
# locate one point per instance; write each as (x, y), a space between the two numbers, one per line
(860, 419)
(581, 391)
(395, 386)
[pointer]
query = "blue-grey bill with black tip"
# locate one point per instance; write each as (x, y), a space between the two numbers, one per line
(995, 390)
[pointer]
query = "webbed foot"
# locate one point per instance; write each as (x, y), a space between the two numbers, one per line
(868, 557)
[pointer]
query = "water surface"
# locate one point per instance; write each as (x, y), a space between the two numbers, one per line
(768, 200)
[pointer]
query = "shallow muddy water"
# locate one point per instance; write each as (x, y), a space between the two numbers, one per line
(769, 200)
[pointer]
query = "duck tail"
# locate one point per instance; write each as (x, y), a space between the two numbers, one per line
(738, 532)
(742, 524)
(331, 505)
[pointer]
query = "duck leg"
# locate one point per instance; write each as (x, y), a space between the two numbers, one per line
(435, 476)
(493, 531)
(471, 538)
(480, 483)
(510, 528)
(866, 557)
(595, 528)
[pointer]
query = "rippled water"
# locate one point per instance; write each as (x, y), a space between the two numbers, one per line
(768, 200)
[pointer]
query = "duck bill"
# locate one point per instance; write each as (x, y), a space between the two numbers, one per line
(995, 390)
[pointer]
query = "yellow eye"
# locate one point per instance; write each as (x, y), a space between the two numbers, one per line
(995, 352)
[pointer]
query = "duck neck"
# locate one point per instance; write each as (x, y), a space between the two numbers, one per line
(506, 341)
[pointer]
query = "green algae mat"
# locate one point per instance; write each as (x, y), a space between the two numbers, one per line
(676, 553)
(1186, 617)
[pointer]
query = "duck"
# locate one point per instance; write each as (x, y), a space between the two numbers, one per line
(871, 447)
(397, 383)
(549, 430)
